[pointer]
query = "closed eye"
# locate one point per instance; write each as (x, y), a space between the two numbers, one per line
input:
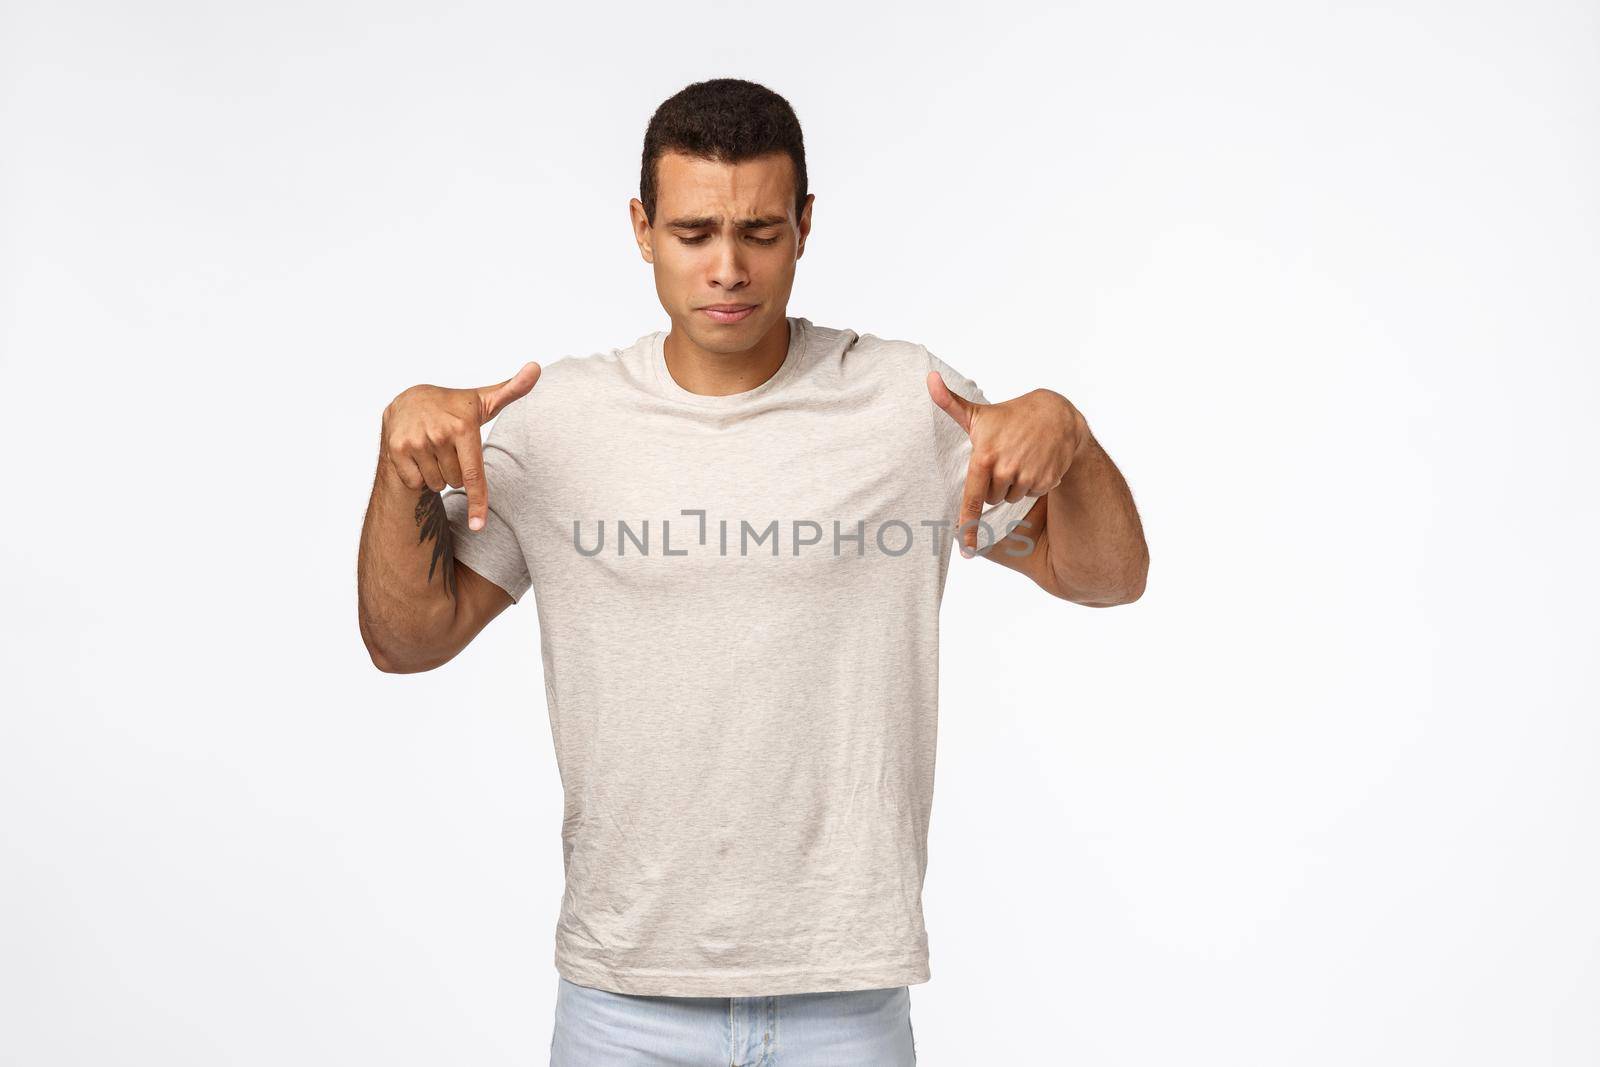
(702, 239)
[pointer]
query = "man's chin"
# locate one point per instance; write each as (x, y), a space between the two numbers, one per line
(727, 337)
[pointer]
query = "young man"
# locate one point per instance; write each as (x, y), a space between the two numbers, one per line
(737, 532)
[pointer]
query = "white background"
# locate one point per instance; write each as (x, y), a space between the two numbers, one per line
(1323, 279)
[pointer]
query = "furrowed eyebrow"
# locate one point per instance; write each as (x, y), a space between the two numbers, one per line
(702, 222)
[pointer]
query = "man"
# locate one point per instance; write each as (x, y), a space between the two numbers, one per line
(738, 533)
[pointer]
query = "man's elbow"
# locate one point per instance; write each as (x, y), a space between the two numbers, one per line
(400, 657)
(1126, 594)
(415, 663)
(381, 657)
(385, 662)
(1106, 590)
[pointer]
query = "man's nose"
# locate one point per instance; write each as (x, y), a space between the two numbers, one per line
(727, 271)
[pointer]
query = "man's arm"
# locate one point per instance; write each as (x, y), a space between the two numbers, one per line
(1089, 544)
(417, 604)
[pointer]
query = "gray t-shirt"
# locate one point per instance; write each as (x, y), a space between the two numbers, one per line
(738, 602)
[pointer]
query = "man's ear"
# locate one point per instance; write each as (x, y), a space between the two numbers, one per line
(805, 225)
(643, 235)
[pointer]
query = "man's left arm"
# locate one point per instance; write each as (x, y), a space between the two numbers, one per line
(1088, 542)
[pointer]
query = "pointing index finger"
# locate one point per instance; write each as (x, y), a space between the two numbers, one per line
(972, 497)
(469, 453)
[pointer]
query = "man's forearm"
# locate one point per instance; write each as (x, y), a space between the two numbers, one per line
(1096, 548)
(405, 574)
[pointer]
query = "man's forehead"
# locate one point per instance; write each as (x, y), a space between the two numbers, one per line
(750, 191)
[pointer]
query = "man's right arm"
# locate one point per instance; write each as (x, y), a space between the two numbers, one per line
(417, 605)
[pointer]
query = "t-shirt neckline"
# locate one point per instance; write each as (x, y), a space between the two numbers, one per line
(670, 385)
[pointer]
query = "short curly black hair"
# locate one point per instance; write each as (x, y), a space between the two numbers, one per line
(728, 120)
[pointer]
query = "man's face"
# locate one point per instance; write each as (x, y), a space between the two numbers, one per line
(725, 235)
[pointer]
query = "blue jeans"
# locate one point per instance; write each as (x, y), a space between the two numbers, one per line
(859, 1028)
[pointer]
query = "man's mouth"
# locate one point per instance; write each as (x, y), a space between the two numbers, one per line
(728, 312)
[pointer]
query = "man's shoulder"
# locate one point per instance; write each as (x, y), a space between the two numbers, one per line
(630, 359)
(583, 378)
(869, 351)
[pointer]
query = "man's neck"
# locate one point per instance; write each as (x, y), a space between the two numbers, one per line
(725, 373)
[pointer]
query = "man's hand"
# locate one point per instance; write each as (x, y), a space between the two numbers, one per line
(431, 436)
(1022, 447)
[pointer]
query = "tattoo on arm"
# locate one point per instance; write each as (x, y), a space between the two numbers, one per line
(432, 521)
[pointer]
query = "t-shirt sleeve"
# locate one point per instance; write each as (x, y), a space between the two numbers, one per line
(496, 551)
(955, 450)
